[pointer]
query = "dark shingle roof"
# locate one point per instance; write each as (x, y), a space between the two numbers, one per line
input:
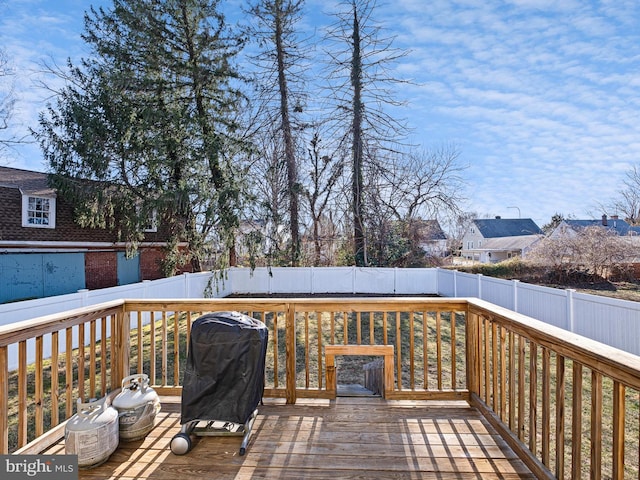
(621, 227)
(506, 227)
(29, 182)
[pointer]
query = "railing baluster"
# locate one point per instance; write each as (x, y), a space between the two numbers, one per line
(306, 349)
(454, 367)
(55, 386)
(69, 372)
(618, 430)
(92, 359)
(576, 422)
(103, 356)
(320, 345)
(176, 347)
(358, 328)
(39, 387)
(522, 352)
(372, 332)
(140, 342)
(495, 367)
(503, 374)
(81, 361)
(533, 398)
(164, 349)
(439, 348)
(274, 315)
(22, 393)
(512, 381)
(412, 380)
(546, 405)
(596, 425)
(332, 319)
(4, 401)
(152, 348)
(487, 360)
(398, 352)
(425, 348)
(560, 416)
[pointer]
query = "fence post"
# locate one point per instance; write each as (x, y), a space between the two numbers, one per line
(570, 314)
(455, 284)
(353, 279)
(187, 284)
(480, 278)
(395, 280)
(516, 284)
(311, 274)
(84, 297)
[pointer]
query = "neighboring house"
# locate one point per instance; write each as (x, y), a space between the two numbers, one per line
(493, 240)
(613, 224)
(43, 252)
(433, 240)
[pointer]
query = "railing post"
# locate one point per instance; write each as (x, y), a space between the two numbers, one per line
(121, 349)
(473, 352)
(290, 349)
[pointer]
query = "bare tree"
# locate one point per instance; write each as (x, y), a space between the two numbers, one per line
(280, 63)
(592, 252)
(7, 101)
(360, 79)
(423, 184)
(628, 204)
(269, 188)
(324, 174)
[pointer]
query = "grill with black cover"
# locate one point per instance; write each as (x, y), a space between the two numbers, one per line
(224, 378)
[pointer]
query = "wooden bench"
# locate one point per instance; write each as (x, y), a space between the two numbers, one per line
(385, 351)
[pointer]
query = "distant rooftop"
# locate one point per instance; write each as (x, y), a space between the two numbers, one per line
(507, 227)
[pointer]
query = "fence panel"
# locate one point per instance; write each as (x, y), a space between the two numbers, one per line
(498, 291)
(607, 320)
(543, 303)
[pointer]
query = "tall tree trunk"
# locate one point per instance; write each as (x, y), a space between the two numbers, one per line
(359, 243)
(289, 150)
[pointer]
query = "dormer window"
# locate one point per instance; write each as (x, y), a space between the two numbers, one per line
(38, 212)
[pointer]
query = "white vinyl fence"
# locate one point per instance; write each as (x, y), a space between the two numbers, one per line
(610, 321)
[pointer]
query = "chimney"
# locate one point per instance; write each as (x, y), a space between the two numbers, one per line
(614, 217)
(604, 220)
(498, 217)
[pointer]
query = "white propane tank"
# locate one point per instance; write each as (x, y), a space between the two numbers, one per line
(92, 433)
(137, 405)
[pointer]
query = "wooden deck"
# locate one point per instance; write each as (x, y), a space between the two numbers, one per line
(349, 438)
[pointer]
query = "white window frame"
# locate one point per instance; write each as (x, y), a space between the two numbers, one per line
(29, 221)
(152, 225)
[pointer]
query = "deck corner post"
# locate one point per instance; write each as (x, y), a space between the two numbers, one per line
(290, 349)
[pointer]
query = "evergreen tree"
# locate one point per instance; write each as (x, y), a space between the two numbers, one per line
(150, 119)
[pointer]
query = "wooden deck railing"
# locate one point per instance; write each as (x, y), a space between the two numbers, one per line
(568, 406)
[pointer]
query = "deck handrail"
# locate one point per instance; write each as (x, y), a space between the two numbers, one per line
(542, 387)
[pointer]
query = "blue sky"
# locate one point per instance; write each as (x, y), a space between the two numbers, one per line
(541, 97)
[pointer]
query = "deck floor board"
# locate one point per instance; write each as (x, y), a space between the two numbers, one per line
(351, 438)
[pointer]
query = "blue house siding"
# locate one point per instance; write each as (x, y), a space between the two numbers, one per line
(36, 275)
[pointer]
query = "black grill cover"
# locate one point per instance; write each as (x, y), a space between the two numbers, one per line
(224, 376)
